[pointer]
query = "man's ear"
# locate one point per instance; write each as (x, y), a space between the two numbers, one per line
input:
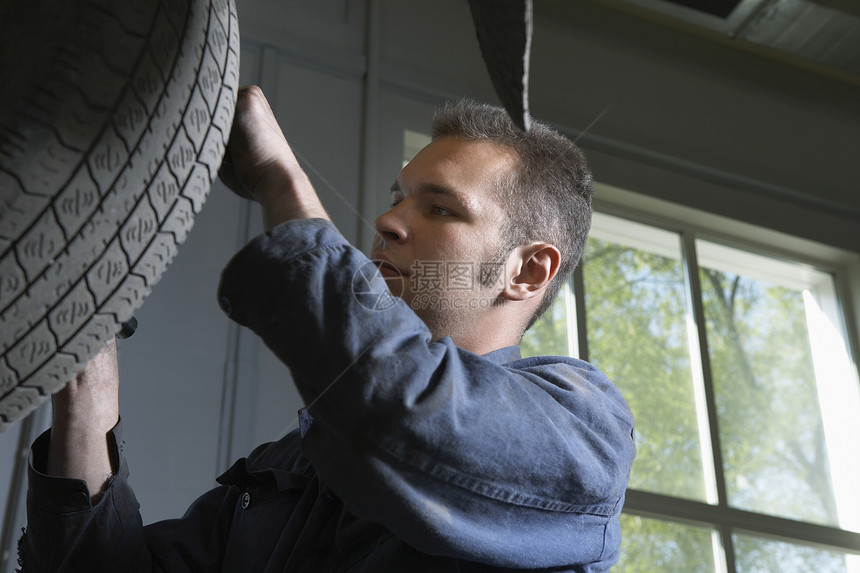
(532, 268)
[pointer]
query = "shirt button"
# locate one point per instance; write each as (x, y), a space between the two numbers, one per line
(80, 499)
(246, 500)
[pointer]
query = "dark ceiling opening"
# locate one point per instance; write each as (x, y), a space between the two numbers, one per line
(720, 8)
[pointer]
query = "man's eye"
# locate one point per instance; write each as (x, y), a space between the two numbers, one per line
(441, 211)
(394, 203)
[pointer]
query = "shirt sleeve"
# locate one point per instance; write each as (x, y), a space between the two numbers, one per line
(66, 533)
(519, 465)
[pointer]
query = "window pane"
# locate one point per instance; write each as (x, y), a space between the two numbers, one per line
(774, 446)
(665, 546)
(636, 318)
(413, 142)
(757, 555)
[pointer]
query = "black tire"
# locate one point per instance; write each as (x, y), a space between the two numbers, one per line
(114, 117)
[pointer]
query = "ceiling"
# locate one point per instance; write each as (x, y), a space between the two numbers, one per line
(820, 35)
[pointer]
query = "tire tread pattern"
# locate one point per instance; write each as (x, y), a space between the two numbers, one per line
(96, 197)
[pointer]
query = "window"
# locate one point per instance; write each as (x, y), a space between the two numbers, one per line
(737, 366)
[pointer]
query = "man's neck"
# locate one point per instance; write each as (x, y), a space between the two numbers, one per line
(488, 334)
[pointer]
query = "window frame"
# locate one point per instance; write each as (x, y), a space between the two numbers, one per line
(692, 224)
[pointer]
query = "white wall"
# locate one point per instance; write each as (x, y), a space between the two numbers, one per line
(688, 121)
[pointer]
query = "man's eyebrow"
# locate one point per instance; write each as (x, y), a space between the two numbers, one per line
(432, 188)
(440, 190)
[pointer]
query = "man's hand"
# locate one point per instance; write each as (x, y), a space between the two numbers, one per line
(84, 412)
(260, 165)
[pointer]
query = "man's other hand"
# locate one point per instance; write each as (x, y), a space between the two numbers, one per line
(83, 414)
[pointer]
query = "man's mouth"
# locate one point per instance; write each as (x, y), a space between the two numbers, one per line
(386, 267)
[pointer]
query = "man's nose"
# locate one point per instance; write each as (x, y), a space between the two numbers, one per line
(391, 225)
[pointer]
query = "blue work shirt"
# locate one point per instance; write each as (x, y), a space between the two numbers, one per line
(413, 454)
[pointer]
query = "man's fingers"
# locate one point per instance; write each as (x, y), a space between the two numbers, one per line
(255, 142)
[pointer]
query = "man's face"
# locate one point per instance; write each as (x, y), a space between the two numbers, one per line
(444, 228)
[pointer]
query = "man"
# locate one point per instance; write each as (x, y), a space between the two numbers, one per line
(427, 443)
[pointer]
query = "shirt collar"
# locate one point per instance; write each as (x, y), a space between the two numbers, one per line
(504, 355)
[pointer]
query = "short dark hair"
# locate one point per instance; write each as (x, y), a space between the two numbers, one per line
(546, 195)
